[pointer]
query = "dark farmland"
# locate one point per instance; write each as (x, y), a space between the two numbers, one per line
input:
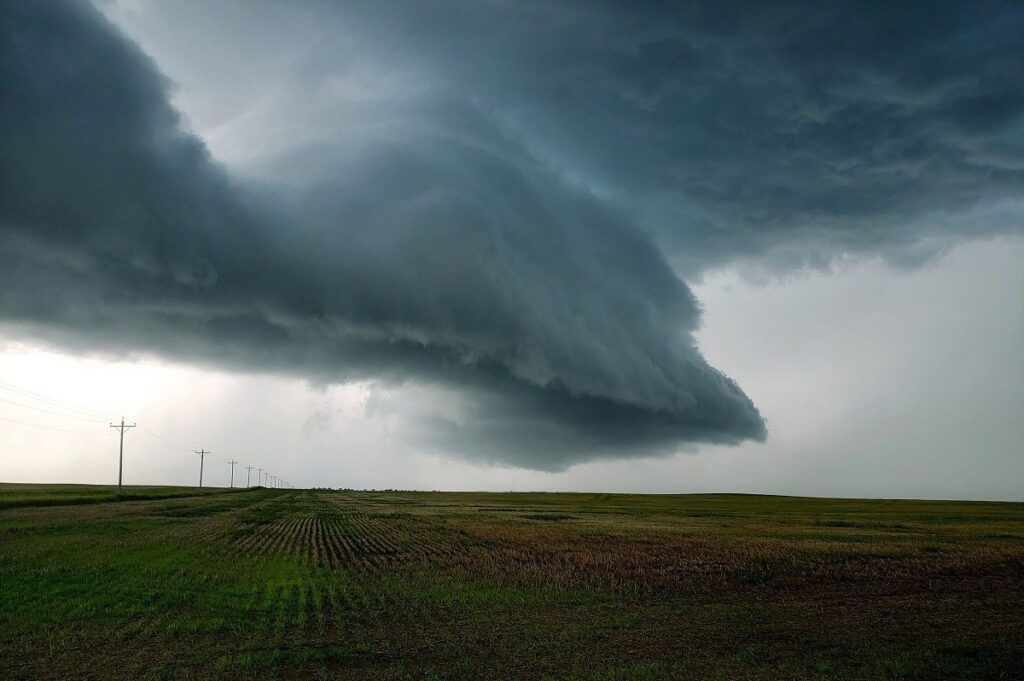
(365, 585)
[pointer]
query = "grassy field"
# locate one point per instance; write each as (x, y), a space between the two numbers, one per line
(361, 585)
(12, 495)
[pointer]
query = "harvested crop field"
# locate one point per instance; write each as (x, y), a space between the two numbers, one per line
(363, 585)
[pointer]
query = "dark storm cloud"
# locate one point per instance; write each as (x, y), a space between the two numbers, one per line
(425, 255)
(493, 200)
(743, 128)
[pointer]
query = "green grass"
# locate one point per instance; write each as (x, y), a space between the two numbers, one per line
(166, 583)
(15, 495)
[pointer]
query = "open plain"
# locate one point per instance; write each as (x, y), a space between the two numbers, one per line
(165, 583)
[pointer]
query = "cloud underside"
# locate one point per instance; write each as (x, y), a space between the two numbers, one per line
(470, 237)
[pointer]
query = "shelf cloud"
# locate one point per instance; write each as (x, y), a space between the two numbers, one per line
(510, 216)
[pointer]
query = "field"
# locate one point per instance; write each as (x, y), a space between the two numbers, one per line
(63, 495)
(364, 585)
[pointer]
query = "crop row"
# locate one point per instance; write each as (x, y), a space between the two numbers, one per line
(342, 539)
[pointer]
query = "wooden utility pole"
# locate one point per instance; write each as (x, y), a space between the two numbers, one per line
(120, 454)
(202, 455)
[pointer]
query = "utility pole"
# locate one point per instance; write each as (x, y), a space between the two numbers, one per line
(202, 455)
(259, 477)
(120, 454)
(232, 472)
(248, 470)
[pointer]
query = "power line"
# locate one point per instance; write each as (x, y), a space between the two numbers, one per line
(162, 438)
(69, 410)
(202, 455)
(219, 458)
(120, 455)
(25, 392)
(37, 425)
(167, 447)
(86, 414)
(92, 419)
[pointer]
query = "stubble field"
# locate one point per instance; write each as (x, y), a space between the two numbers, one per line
(167, 584)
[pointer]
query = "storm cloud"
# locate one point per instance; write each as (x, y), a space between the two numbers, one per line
(794, 130)
(507, 214)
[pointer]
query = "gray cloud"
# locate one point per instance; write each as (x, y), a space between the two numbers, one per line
(498, 197)
(801, 130)
(424, 255)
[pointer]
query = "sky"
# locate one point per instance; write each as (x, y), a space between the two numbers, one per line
(751, 247)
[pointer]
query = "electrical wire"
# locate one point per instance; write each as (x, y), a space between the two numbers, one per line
(81, 413)
(67, 406)
(37, 425)
(147, 431)
(50, 411)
